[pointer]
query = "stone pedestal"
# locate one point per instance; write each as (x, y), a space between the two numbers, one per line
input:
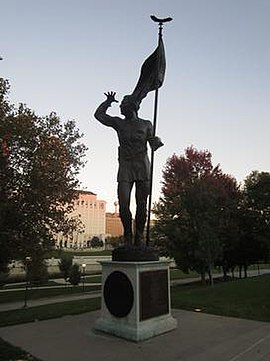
(136, 301)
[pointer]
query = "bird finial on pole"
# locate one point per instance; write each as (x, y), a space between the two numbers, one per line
(160, 22)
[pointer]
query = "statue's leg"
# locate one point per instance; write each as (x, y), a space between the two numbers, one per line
(141, 194)
(124, 191)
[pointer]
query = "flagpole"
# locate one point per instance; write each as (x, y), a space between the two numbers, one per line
(160, 22)
(151, 171)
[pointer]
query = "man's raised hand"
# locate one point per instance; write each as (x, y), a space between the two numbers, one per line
(111, 97)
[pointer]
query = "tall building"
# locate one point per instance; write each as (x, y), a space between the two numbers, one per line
(91, 213)
(114, 227)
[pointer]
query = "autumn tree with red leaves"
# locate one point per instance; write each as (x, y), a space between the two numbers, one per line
(195, 211)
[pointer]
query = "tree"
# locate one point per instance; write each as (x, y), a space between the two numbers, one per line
(65, 265)
(254, 220)
(8, 215)
(40, 158)
(96, 242)
(75, 275)
(190, 214)
(37, 270)
(257, 192)
(115, 241)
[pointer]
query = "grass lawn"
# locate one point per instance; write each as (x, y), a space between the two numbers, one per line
(35, 294)
(45, 312)
(246, 298)
(176, 274)
(22, 285)
(56, 253)
(9, 352)
(93, 279)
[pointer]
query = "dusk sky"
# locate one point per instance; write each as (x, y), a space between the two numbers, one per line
(62, 55)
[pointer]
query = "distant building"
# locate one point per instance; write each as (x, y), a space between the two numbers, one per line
(114, 227)
(91, 213)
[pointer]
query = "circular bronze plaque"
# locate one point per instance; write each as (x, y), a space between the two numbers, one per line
(118, 294)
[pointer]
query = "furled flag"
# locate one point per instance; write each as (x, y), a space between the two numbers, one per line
(152, 73)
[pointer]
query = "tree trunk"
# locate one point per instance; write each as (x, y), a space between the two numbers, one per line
(224, 272)
(240, 271)
(211, 281)
(245, 271)
(233, 273)
(203, 278)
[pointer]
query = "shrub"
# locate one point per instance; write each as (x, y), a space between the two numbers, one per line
(3, 278)
(65, 265)
(96, 242)
(75, 275)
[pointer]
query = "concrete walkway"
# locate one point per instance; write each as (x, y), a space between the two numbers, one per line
(199, 337)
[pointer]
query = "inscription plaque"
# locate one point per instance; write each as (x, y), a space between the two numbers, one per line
(154, 298)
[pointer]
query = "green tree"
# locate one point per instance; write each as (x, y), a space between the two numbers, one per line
(96, 242)
(254, 220)
(37, 270)
(40, 158)
(65, 265)
(75, 275)
(257, 191)
(190, 212)
(115, 242)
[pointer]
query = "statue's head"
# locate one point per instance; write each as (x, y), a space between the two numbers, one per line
(129, 105)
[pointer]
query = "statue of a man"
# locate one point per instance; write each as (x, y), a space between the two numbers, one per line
(134, 166)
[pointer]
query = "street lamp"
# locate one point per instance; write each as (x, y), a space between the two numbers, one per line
(83, 268)
(27, 261)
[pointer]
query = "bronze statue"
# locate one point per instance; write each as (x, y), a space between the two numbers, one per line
(134, 166)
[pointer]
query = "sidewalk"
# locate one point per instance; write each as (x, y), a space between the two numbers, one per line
(199, 337)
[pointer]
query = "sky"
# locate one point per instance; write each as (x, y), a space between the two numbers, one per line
(63, 55)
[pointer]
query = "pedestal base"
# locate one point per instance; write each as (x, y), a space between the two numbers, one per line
(135, 254)
(135, 300)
